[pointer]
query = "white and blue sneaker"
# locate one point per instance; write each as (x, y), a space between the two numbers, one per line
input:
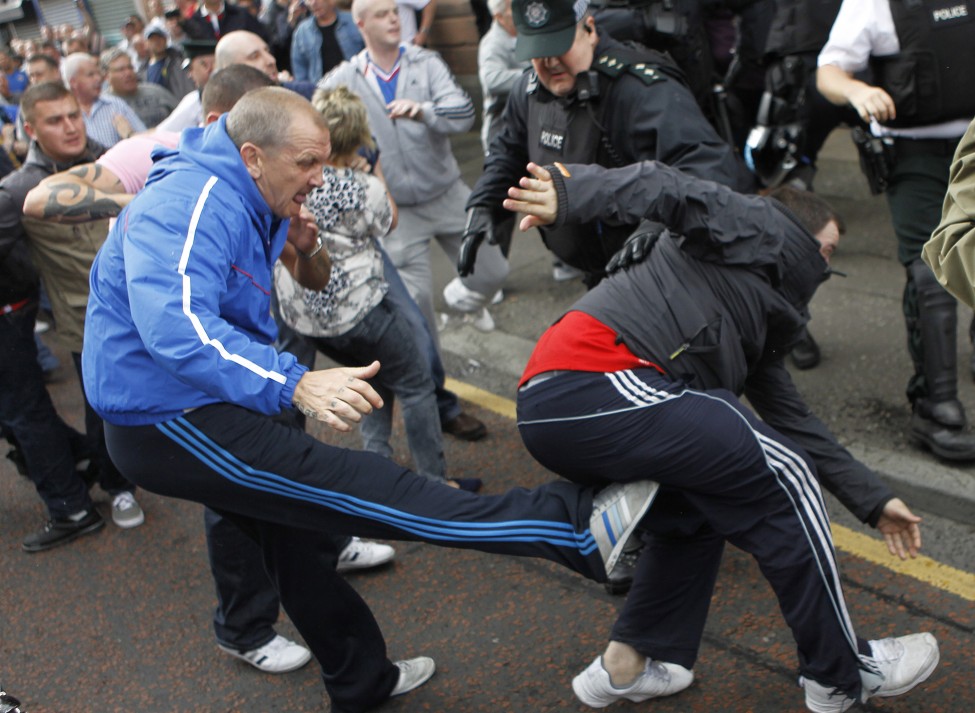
(616, 511)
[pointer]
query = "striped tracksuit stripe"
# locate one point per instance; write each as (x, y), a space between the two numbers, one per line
(749, 484)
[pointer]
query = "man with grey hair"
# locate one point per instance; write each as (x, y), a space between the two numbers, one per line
(151, 102)
(108, 119)
(187, 381)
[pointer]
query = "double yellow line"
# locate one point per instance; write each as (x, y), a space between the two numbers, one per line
(872, 549)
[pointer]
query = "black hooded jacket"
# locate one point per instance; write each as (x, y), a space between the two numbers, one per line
(721, 306)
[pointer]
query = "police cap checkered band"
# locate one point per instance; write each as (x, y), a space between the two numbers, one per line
(546, 28)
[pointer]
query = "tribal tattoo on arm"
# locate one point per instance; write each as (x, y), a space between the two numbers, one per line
(84, 193)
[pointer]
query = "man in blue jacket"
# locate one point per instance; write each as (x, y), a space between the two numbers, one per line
(181, 367)
(323, 41)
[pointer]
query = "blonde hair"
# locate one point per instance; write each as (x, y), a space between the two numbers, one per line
(345, 114)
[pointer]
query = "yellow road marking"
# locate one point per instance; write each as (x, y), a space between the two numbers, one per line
(922, 568)
(872, 549)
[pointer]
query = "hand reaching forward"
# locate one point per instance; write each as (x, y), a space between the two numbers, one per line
(536, 198)
(337, 397)
(900, 529)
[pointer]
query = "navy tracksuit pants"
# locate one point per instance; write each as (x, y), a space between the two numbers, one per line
(290, 493)
(724, 476)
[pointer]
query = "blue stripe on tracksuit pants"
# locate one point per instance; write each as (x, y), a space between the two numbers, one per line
(737, 477)
(288, 490)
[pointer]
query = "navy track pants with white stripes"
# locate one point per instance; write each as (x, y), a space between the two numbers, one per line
(734, 475)
(285, 489)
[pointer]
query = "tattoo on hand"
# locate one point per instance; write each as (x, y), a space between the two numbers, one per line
(309, 412)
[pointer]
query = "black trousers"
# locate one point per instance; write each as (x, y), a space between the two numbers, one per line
(290, 492)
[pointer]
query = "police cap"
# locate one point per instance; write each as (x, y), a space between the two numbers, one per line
(197, 48)
(546, 28)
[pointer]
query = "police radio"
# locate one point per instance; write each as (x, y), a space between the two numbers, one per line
(587, 86)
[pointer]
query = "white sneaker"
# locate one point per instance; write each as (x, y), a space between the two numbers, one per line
(821, 698)
(279, 655)
(413, 673)
(126, 512)
(363, 554)
(901, 663)
(904, 662)
(563, 273)
(594, 687)
(616, 511)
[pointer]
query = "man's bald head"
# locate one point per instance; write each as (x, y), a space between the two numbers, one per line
(243, 47)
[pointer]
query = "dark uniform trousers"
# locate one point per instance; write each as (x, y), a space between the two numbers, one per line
(290, 493)
(915, 196)
(724, 476)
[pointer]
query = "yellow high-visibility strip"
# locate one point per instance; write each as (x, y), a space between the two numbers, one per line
(871, 549)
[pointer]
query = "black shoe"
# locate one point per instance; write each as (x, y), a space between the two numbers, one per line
(805, 354)
(62, 530)
(465, 427)
(621, 578)
(17, 458)
(950, 442)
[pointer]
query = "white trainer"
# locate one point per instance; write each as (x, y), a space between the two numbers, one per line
(595, 688)
(903, 661)
(279, 655)
(616, 511)
(126, 512)
(821, 698)
(363, 554)
(899, 665)
(413, 673)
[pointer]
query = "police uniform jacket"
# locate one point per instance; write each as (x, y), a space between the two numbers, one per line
(647, 115)
(721, 306)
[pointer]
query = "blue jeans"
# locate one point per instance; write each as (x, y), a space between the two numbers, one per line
(27, 413)
(448, 404)
(386, 334)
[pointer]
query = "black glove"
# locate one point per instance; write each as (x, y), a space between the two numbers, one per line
(480, 225)
(637, 246)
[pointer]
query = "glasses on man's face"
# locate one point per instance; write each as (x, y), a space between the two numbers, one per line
(8, 704)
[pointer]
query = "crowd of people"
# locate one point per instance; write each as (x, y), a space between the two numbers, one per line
(280, 171)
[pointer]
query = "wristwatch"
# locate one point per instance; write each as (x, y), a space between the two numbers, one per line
(318, 248)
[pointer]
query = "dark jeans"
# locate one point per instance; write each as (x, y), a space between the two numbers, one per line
(110, 480)
(28, 414)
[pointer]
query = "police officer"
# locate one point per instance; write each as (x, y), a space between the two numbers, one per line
(591, 99)
(792, 119)
(921, 56)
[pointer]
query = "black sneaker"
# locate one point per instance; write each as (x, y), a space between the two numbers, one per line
(62, 530)
(620, 579)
